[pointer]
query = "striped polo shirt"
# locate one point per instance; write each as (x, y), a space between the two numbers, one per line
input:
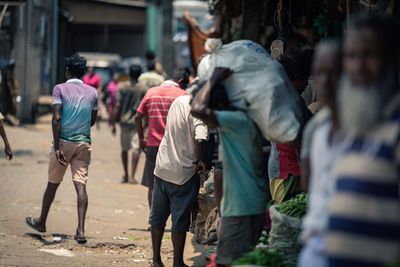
(156, 104)
(364, 219)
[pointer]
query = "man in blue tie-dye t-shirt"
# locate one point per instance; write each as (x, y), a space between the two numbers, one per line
(74, 112)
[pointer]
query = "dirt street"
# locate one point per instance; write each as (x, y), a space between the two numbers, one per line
(116, 224)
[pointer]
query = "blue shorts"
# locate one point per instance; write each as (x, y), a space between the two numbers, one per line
(177, 200)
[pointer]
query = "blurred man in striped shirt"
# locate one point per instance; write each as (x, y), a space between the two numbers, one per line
(364, 214)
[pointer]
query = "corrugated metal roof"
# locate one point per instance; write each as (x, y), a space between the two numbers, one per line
(124, 2)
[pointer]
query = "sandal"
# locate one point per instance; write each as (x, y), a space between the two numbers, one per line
(124, 180)
(80, 239)
(31, 223)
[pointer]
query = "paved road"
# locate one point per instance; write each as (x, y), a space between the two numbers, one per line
(116, 220)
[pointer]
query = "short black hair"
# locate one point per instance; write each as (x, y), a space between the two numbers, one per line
(181, 74)
(151, 65)
(386, 26)
(75, 65)
(297, 64)
(150, 55)
(135, 71)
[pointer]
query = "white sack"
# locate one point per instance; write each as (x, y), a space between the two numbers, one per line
(258, 85)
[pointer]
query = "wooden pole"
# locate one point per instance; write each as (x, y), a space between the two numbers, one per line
(3, 12)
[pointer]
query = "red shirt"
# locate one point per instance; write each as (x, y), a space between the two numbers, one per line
(156, 104)
(93, 81)
(288, 161)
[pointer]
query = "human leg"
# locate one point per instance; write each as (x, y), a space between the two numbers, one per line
(135, 160)
(124, 157)
(178, 242)
(48, 197)
(56, 173)
(182, 200)
(148, 174)
(156, 238)
(135, 154)
(159, 214)
(82, 205)
(79, 168)
(125, 146)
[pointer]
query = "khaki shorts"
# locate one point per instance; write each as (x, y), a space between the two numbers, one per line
(77, 155)
(129, 139)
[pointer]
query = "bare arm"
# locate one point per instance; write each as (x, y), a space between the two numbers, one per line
(115, 115)
(94, 117)
(201, 149)
(7, 146)
(99, 88)
(139, 130)
(200, 107)
(213, 32)
(201, 101)
(56, 125)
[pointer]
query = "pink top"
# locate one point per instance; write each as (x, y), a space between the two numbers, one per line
(156, 104)
(112, 89)
(93, 81)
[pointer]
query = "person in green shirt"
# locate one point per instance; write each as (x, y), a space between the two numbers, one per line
(245, 191)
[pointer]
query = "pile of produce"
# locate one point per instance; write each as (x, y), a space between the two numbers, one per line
(263, 240)
(294, 207)
(261, 257)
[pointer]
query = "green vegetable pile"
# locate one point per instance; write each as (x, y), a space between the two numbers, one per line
(294, 207)
(269, 258)
(263, 238)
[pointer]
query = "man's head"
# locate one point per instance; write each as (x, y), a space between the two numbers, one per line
(135, 71)
(297, 65)
(91, 71)
(116, 77)
(75, 66)
(370, 71)
(150, 56)
(326, 71)
(370, 47)
(181, 77)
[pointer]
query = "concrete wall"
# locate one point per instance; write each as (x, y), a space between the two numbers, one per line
(31, 54)
(125, 40)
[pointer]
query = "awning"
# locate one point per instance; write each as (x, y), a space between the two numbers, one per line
(106, 12)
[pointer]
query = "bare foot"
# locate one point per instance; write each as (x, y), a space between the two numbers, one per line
(132, 181)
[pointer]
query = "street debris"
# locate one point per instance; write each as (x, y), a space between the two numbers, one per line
(58, 252)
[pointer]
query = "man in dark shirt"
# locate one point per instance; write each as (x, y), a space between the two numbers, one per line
(128, 99)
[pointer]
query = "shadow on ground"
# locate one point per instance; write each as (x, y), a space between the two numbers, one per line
(147, 230)
(200, 260)
(44, 239)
